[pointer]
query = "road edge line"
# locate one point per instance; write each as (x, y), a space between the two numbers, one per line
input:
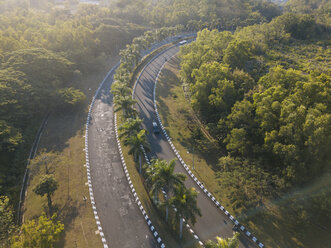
(88, 172)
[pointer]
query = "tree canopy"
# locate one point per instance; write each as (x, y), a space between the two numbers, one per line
(42, 233)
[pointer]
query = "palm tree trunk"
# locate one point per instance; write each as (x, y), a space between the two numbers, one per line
(167, 208)
(155, 196)
(180, 228)
(167, 213)
(49, 199)
(140, 163)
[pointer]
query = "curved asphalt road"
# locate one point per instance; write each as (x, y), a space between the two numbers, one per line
(122, 222)
(213, 221)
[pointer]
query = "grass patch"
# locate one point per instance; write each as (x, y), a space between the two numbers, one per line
(64, 135)
(277, 224)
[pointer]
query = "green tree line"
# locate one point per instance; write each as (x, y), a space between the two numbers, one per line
(196, 15)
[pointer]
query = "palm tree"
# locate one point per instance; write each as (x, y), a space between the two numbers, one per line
(122, 74)
(224, 243)
(138, 143)
(161, 176)
(141, 42)
(149, 37)
(119, 89)
(135, 52)
(125, 103)
(151, 180)
(130, 127)
(169, 180)
(185, 201)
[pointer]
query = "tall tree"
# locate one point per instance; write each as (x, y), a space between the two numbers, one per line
(7, 225)
(47, 186)
(42, 234)
(164, 177)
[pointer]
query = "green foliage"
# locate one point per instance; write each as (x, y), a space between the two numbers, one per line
(161, 176)
(7, 226)
(224, 243)
(197, 15)
(185, 201)
(246, 184)
(42, 49)
(17, 97)
(43, 68)
(207, 96)
(46, 186)
(238, 53)
(10, 137)
(209, 46)
(125, 103)
(308, 6)
(43, 233)
(130, 127)
(299, 26)
(70, 97)
(136, 142)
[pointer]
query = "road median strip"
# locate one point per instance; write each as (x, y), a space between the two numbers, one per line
(138, 202)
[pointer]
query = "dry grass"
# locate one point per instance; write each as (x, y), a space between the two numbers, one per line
(64, 135)
(276, 225)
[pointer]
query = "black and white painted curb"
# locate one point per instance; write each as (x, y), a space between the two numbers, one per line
(196, 237)
(88, 172)
(236, 222)
(148, 221)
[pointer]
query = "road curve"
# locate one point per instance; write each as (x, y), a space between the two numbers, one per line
(122, 222)
(213, 222)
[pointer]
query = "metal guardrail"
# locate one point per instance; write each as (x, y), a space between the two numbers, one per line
(25, 180)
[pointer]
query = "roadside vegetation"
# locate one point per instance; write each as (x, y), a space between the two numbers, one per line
(158, 176)
(272, 169)
(263, 105)
(51, 62)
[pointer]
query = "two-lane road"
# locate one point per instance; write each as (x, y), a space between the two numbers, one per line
(213, 222)
(122, 222)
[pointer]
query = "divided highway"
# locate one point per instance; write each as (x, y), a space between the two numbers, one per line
(213, 222)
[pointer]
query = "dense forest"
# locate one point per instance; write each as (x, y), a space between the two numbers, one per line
(43, 57)
(264, 92)
(262, 87)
